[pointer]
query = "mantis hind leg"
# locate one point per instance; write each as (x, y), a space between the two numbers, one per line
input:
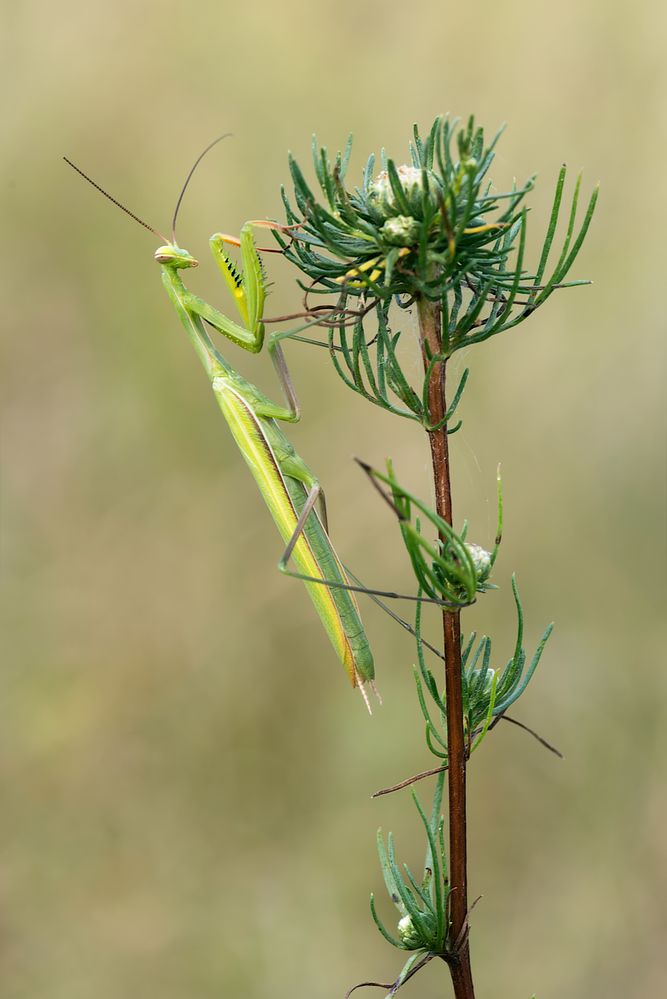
(296, 468)
(316, 495)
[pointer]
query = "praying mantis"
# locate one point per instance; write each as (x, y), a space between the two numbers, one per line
(289, 488)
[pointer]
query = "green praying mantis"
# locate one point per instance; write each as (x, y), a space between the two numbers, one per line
(289, 488)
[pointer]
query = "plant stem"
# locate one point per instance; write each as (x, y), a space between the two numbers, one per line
(459, 964)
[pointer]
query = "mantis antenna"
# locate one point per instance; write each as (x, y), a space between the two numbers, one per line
(136, 218)
(115, 201)
(189, 178)
(233, 241)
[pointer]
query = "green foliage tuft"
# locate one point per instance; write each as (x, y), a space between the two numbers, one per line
(434, 229)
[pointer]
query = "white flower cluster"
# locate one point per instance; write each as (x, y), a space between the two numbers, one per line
(481, 559)
(381, 193)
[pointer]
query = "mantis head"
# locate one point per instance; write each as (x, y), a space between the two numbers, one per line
(173, 256)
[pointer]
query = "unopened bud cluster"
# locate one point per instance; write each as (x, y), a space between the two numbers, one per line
(407, 933)
(481, 559)
(414, 183)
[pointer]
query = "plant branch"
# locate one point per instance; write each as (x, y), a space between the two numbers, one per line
(431, 341)
(408, 781)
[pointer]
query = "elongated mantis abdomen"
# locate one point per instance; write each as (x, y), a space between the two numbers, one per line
(269, 456)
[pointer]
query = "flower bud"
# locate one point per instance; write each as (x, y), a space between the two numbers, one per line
(481, 559)
(488, 680)
(381, 194)
(407, 933)
(402, 230)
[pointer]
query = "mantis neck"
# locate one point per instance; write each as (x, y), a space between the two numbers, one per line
(185, 304)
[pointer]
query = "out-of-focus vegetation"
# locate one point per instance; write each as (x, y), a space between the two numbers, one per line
(180, 749)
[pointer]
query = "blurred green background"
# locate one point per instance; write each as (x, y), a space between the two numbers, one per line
(186, 774)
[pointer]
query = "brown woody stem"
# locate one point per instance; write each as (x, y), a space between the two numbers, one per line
(459, 964)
